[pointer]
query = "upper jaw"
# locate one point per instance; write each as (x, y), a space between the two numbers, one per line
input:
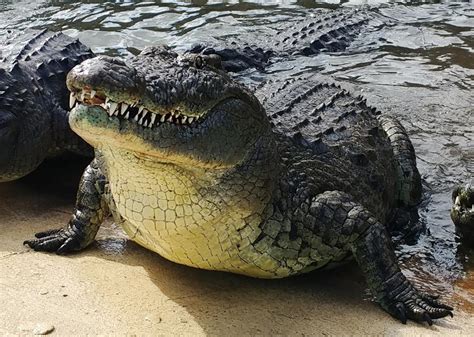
(121, 90)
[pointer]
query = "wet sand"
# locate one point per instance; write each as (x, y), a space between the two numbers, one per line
(119, 288)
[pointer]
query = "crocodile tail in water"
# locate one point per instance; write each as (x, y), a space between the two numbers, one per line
(409, 180)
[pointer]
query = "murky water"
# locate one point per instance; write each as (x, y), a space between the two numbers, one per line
(421, 69)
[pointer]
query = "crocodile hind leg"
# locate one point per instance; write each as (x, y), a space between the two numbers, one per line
(409, 180)
(90, 211)
(360, 232)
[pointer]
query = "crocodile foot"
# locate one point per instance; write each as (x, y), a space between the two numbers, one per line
(408, 303)
(60, 241)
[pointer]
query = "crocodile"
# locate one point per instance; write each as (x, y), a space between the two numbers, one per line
(321, 31)
(462, 212)
(192, 165)
(34, 99)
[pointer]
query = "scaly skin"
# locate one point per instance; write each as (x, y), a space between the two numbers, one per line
(34, 100)
(192, 167)
(323, 31)
(462, 212)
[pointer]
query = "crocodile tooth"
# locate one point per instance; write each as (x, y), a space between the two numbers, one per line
(72, 100)
(183, 119)
(162, 119)
(145, 112)
(171, 118)
(93, 92)
(141, 120)
(140, 109)
(107, 100)
(153, 117)
(110, 112)
(137, 117)
(457, 201)
(113, 107)
(124, 108)
(190, 120)
(145, 124)
(127, 115)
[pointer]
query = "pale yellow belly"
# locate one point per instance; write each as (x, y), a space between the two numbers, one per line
(170, 214)
(220, 248)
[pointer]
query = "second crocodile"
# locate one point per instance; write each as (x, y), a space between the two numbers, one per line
(34, 100)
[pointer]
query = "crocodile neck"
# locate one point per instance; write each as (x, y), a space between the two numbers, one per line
(164, 204)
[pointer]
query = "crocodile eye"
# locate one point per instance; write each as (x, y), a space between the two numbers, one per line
(198, 62)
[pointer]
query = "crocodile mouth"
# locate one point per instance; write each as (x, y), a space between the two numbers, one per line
(131, 111)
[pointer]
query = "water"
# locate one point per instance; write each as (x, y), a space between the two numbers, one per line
(420, 69)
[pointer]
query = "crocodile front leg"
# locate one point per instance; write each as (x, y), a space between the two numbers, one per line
(370, 243)
(90, 211)
(375, 255)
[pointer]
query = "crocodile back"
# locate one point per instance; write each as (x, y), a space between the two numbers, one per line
(43, 59)
(331, 140)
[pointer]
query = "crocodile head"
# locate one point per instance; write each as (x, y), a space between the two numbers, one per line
(462, 211)
(164, 107)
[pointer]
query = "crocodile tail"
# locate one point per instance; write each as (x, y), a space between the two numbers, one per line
(409, 180)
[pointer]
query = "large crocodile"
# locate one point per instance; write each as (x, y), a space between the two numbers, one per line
(34, 101)
(195, 168)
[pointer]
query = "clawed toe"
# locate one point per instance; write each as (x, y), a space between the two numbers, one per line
(433, 301)
(49, 232)
(55, 240)
(421, 308)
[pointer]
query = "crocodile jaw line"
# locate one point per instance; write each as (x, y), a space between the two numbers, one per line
(131, 112)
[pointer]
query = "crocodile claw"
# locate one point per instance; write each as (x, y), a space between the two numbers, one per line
(418, 307)
(60, 241)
